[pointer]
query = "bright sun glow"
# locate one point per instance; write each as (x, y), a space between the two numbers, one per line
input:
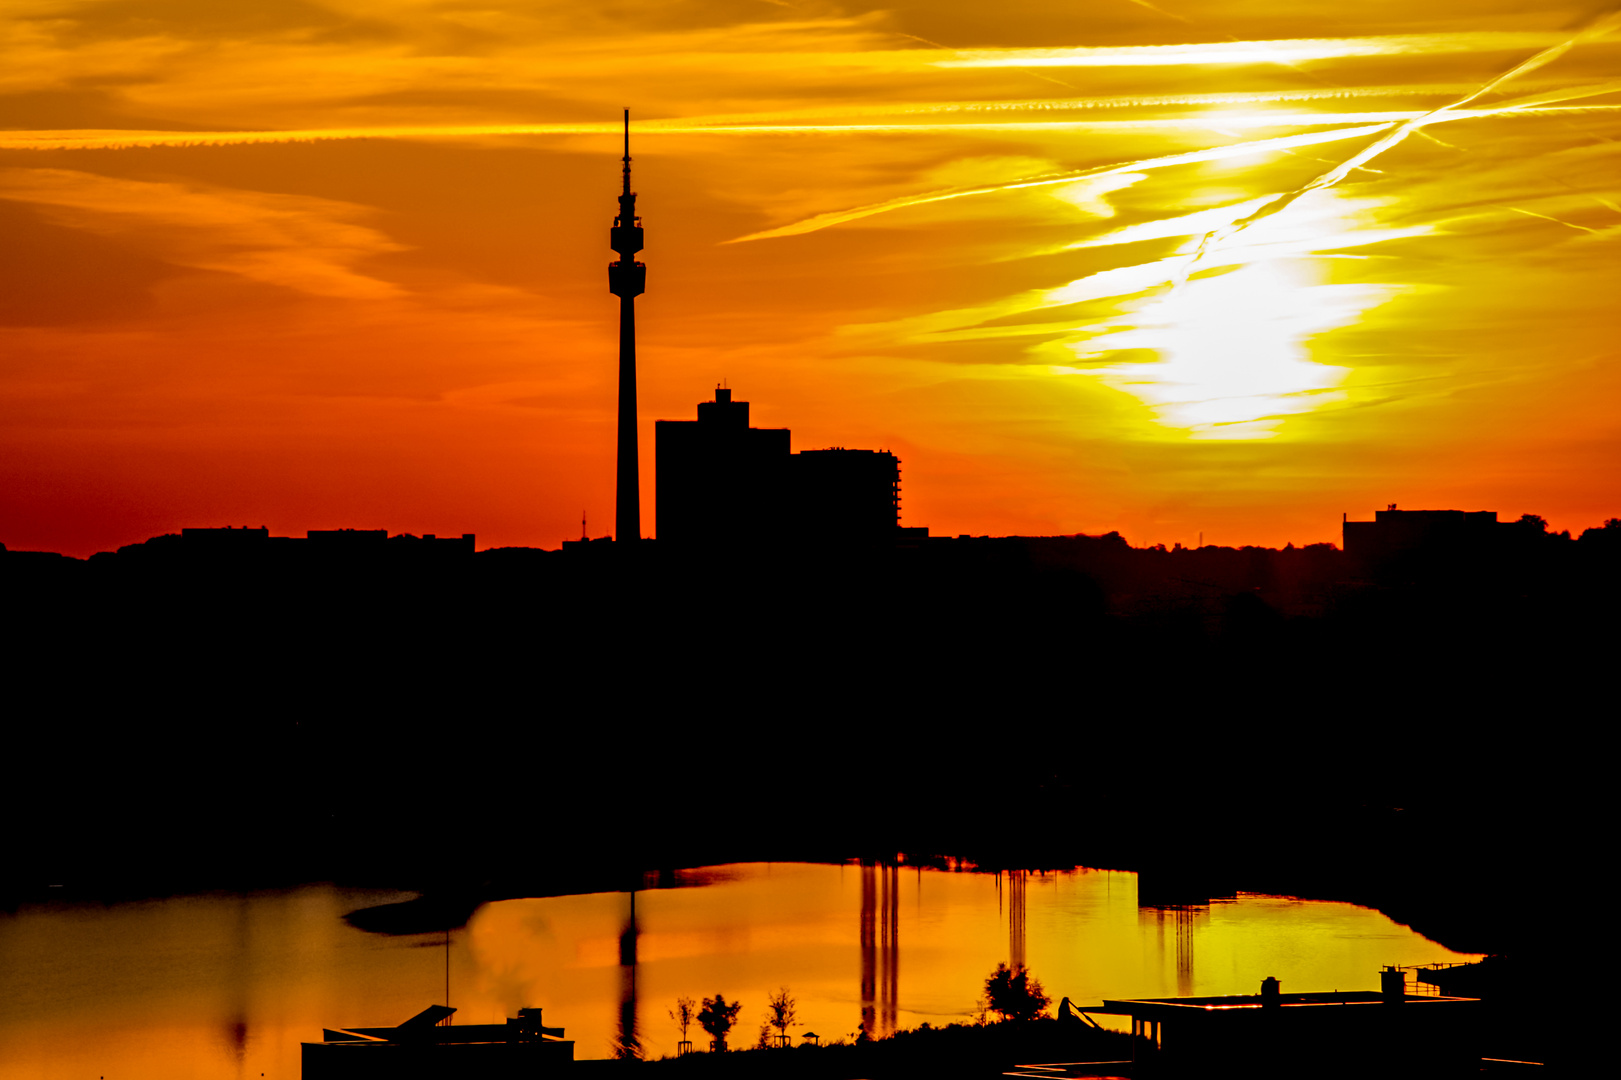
(1234, 347)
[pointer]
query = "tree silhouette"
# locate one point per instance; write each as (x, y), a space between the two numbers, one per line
(717, 1018)
(780, 1012)
(1015, 994)
(685, 1011)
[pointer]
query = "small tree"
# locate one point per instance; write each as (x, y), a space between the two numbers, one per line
(780, 1013)
(717, 1018)
(1015, 994)
(685, 1011)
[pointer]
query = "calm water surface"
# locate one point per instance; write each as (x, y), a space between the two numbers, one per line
(227, 986)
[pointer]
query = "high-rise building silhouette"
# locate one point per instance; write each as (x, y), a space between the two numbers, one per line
(721, 481)
(846, 496)
(627, 279)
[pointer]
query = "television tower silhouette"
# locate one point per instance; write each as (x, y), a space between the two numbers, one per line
(627, 279)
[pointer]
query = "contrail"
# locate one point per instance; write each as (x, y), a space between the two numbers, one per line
(123, 138)
(837, 217)
(1283, 51)
(1033, 74)
(1556, 221)
(1285, 143)
(1595, 29)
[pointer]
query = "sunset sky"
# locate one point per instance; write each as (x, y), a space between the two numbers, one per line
(1227, 267)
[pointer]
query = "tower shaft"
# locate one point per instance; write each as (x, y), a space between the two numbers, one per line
(628, 483)
(627, 279)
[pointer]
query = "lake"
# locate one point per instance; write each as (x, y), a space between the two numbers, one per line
(227, 986)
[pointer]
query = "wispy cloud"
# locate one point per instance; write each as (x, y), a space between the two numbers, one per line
(298, 242)
(1252, 52)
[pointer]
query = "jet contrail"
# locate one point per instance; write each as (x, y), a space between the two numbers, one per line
(124, 138)
(1595, 29)
(1282, 144)
(837, 217)
(1282, 51)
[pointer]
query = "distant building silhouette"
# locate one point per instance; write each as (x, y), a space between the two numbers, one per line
(721, 481)
(1424, 543)
(627, 279)
(318, 548)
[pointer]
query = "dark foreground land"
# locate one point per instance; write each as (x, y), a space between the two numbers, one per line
(528, 723)
(958, 1050)
(194, 716)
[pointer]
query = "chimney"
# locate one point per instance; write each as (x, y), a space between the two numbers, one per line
(1269, 992)
(1393, 985)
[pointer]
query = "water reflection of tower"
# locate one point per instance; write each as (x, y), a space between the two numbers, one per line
(627, 1044)
(880, 947)
(235, 998)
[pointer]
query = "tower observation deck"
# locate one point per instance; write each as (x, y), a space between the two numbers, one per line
(627, 279)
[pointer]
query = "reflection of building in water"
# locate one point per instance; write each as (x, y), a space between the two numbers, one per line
(1184, 950)
(880, 948)
(1185, 920)
(627, 1044)
(1015, 918)
(891, 954)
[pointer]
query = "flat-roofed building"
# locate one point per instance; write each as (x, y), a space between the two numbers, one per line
(1384, 1032)
(719, 480)
(845, 496)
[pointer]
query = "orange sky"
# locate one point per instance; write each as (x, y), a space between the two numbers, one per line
(323, 263)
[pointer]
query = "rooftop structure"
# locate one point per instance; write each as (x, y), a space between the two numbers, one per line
(1384, 1032)
(427, 1046)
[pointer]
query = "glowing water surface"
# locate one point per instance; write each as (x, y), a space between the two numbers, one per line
(228, 986)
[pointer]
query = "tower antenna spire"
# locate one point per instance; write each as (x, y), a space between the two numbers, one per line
(627, 151)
